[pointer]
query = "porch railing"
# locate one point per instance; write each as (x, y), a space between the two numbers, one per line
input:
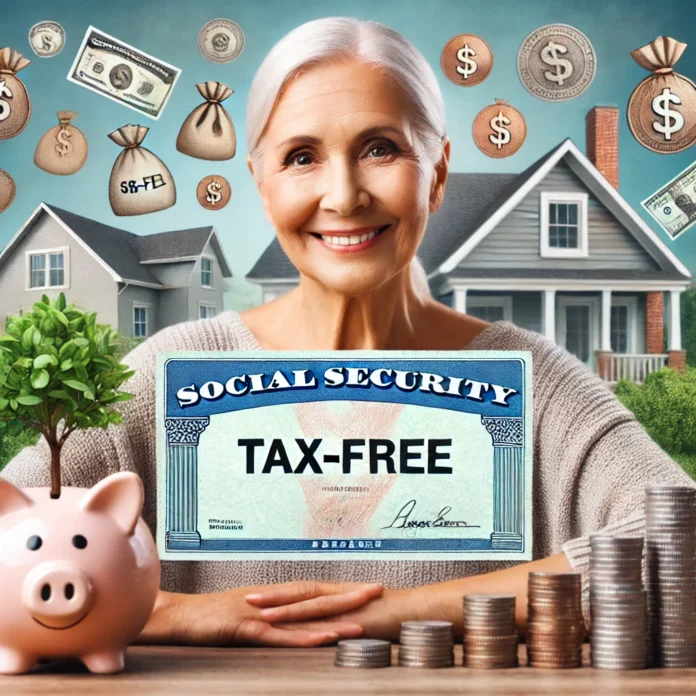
(634, 367)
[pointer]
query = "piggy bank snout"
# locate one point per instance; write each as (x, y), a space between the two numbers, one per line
(57, 594)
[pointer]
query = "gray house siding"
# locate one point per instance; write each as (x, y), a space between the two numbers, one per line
(173, 306)
(515, 242)
(174, 274)
(198, 294)
(128, 298)
(90, 284)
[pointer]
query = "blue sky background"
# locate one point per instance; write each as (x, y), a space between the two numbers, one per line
(168, 29)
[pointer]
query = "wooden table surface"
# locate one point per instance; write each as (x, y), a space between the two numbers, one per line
(159, 670)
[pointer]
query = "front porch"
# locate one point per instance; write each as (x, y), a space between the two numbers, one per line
(618, 332)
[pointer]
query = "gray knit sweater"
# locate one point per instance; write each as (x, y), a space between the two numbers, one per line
(592, 460)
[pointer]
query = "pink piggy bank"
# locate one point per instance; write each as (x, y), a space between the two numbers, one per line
(79, 574)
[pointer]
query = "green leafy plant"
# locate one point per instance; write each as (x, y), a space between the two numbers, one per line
(58, 373)
(665, 405)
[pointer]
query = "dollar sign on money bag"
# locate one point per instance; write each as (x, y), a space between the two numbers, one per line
(62, 150)
(499, 130)
(662, 108)
(15, 105)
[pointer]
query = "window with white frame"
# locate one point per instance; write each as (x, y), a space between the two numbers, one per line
(623, 324)
(563, 224)
(47, 269)
(207, 310)
(206, 272)
(489, 307)
(141, 320)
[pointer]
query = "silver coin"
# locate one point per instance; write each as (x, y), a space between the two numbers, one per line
(47, 39)
(556, 62)
(221, 40)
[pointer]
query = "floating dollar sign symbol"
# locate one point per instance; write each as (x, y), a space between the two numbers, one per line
(464, 55)
(498, 124)
(660, 105)
(64, 146)
(564, 68)
(5, 108)
(213, 189)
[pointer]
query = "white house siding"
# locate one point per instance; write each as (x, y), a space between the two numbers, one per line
(91, 286)
(515, 242)
(128, 298)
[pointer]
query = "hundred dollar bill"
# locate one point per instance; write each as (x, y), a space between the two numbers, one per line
(341, 455)
(674, 205)
(123, 73)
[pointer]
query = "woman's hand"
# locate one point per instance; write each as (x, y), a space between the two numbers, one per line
(380, 617)
(227, 618)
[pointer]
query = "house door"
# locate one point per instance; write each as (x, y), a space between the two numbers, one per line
(578, 327)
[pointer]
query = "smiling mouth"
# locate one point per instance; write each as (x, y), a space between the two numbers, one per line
(57, 628)
(349, 240)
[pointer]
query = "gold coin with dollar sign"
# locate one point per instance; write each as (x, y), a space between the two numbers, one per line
(662, 108)
(556, 62)
(466, 60)
(214, 192)
(499, 130)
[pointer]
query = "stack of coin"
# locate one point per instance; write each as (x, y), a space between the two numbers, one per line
(670, 543)
(555, 624)
(490, 636)
(426, 644)
(617, 602)
(364, 653)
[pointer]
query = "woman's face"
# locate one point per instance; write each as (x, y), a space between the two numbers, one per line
(342, 178)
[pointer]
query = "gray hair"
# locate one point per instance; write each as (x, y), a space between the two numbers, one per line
(329, 39)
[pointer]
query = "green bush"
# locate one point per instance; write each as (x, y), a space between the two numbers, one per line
(665, 405)
(12, 445)
(688, 322)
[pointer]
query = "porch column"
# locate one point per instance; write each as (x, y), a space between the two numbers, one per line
(606, 321)
(460, 300)
(654, 330)
(674, 320)
(676, 355)
(548, 309)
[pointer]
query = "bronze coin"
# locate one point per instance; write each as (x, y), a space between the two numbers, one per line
(214, 192)
(7, 190)
(466, 60)
(499, 130)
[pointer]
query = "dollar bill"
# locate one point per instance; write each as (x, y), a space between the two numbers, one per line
(123, 73)
(674, 205)
(344, 455)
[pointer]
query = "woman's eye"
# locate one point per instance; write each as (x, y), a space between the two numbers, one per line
(301, 159)
(381, 150)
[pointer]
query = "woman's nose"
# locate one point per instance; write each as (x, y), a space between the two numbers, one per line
(343, 188)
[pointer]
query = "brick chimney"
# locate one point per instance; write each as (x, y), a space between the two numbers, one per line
(602, 141)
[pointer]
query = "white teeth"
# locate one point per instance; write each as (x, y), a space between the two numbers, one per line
(349, 240)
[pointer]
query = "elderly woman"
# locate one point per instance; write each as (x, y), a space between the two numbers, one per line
(347, 146)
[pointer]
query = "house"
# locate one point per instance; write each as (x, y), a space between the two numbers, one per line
(555, 249)
(138, 284)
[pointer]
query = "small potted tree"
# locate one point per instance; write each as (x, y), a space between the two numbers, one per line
(79, 572)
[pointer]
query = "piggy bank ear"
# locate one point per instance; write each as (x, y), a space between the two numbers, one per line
(120, 496)
(12, 498)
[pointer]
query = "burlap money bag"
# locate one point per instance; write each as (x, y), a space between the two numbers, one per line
(208, 132)
(140, 182)
(63, 149)
(660, 101)
(15, 105)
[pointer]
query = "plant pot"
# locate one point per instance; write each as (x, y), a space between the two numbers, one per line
(79, 574)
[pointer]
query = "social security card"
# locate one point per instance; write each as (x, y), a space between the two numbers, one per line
(344, 455)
